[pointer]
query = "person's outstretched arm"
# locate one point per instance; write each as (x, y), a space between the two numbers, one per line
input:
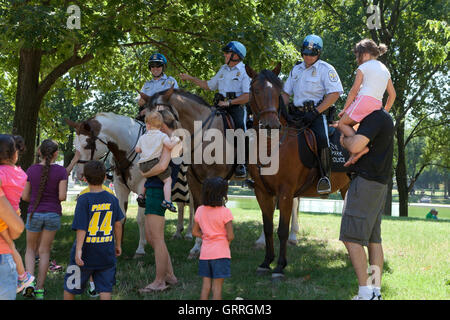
(161, 165)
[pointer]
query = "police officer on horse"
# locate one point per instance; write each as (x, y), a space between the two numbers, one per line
(157, 64)
(316, 86)
(233, 85)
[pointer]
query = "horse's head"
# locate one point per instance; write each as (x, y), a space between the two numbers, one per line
(265, 93)
(159, 101)
(88, 132)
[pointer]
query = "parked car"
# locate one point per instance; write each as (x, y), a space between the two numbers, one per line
(425, 199)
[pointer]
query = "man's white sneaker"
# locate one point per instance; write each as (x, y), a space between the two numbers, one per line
(374, 297)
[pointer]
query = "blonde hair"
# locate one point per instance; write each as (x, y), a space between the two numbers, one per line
(154, 119)
(369, 46)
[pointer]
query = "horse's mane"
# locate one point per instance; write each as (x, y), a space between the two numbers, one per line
(271, 77)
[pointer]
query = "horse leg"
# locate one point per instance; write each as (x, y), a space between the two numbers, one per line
(195, 188)
(267, 205)
(292, 240)
(285, 205)
(140, 251)
(188, 235)
(177, 234)
(261, 242)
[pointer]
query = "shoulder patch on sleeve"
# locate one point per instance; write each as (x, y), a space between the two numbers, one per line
(332, 75)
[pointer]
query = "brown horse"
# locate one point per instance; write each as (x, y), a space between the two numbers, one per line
(293, 179)
(197, 119)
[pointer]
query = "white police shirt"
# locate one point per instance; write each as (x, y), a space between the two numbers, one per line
(153, 86)
(233, 79)
(312, 83)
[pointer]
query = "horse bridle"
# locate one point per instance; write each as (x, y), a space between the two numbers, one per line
(266, 110)
(91, 145)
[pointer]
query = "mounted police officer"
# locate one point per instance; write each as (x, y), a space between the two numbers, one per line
(157, 65)
(233, 85)
(316, 86)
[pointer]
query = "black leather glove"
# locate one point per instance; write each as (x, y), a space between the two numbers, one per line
(310, 116)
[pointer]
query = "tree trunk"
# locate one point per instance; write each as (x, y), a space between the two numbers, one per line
(28, 102)
(400, 171)
(388, 205)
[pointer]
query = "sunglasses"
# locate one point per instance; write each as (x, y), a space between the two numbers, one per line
(156, 65)
(310, 54)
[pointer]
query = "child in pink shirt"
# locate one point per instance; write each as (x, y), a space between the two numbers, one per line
(12, 183)
(366, 95)
(213, 223)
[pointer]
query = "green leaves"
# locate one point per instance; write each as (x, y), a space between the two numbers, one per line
(435, 44)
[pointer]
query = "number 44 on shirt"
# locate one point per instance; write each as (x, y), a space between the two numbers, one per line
(95, 226)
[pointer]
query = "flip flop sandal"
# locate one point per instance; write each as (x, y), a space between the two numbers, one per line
(168, 205)
(148, 289)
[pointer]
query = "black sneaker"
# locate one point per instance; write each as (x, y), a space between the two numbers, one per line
(240, 171)
(92, 293)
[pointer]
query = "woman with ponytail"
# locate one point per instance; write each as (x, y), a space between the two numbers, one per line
(45, 189)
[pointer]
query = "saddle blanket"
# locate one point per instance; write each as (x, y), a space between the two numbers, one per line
(339, 155)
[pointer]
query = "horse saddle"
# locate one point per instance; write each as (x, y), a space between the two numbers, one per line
(308, 151)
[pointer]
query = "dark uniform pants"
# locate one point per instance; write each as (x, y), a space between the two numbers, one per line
(318, 126)
(238, 113)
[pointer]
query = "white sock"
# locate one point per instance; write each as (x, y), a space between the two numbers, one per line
(91, 285)
(365, 292)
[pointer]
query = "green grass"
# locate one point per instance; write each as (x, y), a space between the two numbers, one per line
(416, 261)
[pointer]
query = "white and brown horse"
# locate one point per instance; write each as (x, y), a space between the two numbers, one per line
(110, 133)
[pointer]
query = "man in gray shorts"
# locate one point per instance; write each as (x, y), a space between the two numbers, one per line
(365, 200)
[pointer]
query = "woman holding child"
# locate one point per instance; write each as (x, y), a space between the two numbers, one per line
(154, 212)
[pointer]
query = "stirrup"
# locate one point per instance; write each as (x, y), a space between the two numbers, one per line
(324, 185)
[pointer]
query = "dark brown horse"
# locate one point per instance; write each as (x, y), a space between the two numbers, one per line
(293, 179)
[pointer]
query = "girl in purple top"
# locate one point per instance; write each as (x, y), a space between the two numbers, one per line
(46, 187)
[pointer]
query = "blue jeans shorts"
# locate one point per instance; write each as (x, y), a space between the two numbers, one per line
(8, 277)
(76, 279)
(50, 221)
(215, 268)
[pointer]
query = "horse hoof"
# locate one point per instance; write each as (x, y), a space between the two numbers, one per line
(260, 245)
(262, 271)
(138, 255)
(277, 277)
(292, 242)
(193, 255)
(176, 236)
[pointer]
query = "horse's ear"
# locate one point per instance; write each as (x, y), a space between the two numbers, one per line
(144, 96)
(168, 93)
(85, 128)
(73, 124)
(251, 73)
(277, 69)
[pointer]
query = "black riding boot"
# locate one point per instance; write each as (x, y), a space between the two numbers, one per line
(324, 184)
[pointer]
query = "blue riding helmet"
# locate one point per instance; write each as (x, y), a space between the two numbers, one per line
(236, 47)
(157, 59)
(312, 45)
